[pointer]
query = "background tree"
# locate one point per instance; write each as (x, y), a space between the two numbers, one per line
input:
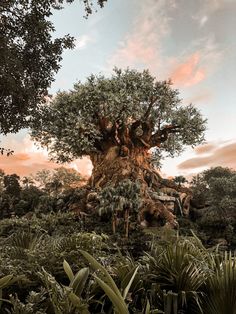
(69, 178)
(27, 182)
(213, 185)
(29, 57)
(180, 180)
(214, 194)
(66, 178)
(117, 121)
(2, 173)
(12, 185)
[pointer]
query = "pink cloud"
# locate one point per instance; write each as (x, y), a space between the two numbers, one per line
(190, 72)
(224, 156)
(142, 46)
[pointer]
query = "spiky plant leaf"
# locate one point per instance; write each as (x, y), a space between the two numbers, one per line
(126, 290)
(220, 290)
(68, 270)
(79, 281)
(105, 275)
(116, 300)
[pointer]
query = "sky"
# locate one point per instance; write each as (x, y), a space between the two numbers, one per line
(190, 41)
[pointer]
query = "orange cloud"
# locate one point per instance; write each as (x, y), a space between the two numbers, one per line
(28, 159)
(189, 72)
(25, 164)
(223, 156)
(204, 149)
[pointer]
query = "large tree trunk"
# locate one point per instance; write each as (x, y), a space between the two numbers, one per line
(118, 163)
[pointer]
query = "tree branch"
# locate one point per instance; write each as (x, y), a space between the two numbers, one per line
(162, 135)
(149, 108)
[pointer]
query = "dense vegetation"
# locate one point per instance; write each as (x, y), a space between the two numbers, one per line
(29, 57)
(45, 268)
(57, 258)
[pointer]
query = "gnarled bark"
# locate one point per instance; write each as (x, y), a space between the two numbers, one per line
(119, 163)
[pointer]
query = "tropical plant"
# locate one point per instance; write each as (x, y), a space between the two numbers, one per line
(122, 201)
(118, 297)
(176, 273)
(66, 299)
(34, 303)
(220, 286)
(4, 282)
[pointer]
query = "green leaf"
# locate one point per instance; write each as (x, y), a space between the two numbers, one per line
(130, 283)
(79, 281)
(97, 266)
(147, 308)
(5, 281)
(117, 300)
(68, 270)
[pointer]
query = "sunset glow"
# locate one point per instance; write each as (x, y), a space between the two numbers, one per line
(190, 42)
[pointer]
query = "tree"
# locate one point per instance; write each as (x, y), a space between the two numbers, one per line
(12, 185)
(27, 182)
(2, 173)
(214, 194)
(42, 178)
(213, 186)
(59, 178)
(29, 57)
(68, 178)
(180, 180)
(117, 121)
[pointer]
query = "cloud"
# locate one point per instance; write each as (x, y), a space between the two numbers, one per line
(224, 156)
(142, 46)
(203, 20)
(199, 61)
(28, 159)
(205, 149)
(208, 8)
(190, 72)
(82, 42)
(200, 97)
(25, 164)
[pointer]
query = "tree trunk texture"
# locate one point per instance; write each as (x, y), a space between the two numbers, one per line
(119, 163)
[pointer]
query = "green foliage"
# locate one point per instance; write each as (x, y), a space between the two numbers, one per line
(180, 180)
(27, 246)
(126, 194)
(12, 185)
(29, 57)
(214, 185)
(106, 282)
(121, 202)
(73, 124)
(176, 274)
(215, 189)
(58, 180)
(35, 303)
(220, 288)
(63, 298)
(4, 282)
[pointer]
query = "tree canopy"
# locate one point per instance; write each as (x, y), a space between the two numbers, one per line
(130, 108)
(215, 187)
(29, 57)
